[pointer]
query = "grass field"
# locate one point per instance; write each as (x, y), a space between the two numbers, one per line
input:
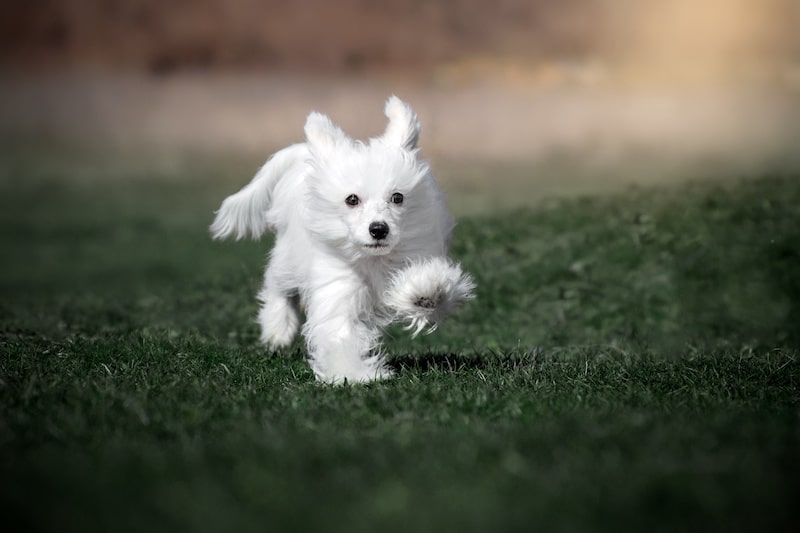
(630, 363)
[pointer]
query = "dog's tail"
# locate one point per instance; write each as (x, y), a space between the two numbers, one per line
(246, 212)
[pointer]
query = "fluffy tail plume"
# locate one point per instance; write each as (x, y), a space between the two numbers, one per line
(245, 213)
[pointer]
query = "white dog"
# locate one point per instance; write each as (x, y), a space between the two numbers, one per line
(361, 241)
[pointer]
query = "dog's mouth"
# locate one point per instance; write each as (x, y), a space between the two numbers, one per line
(377, 248)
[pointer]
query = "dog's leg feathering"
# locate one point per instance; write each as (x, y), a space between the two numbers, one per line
(279, 318)
(279, 314)
(341, 345)
(424, 292)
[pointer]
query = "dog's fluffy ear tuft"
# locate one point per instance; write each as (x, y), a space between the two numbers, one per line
(403, 128)
(321, 133)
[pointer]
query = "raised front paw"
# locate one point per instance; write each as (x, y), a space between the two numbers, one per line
(424, 292)
(428, 302)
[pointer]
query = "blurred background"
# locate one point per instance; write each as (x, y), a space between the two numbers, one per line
(575, 95)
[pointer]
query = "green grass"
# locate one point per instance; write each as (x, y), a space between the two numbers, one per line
(631, 363)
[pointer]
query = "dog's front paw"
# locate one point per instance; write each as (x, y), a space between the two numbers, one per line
(341, 372)
(427, 302)
(425, 292)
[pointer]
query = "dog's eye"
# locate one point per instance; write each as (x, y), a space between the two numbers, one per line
(397, 198)
(352, 200)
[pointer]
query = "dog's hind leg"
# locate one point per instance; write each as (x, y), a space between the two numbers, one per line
(279, 318)
(279, 315)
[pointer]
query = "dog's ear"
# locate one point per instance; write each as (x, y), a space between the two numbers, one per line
(322, 134)
(403, 128)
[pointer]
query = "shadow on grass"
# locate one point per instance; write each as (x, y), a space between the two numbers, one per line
(448, 362)
(437, 362)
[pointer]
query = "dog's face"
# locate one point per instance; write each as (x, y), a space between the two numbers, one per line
(373, 208)
(365, 198)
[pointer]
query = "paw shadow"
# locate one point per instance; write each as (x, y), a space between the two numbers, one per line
(437, 362)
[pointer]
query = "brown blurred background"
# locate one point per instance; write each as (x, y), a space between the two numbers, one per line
(585, 90)
(700, 38)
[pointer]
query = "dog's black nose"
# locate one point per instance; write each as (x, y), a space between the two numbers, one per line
(379, 230)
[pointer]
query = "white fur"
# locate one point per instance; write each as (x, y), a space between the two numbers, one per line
(350, 280)
(426, 291)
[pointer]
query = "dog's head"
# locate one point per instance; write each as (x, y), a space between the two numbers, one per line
(366, 198)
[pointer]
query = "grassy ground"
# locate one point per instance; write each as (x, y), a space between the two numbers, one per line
(631, 363)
